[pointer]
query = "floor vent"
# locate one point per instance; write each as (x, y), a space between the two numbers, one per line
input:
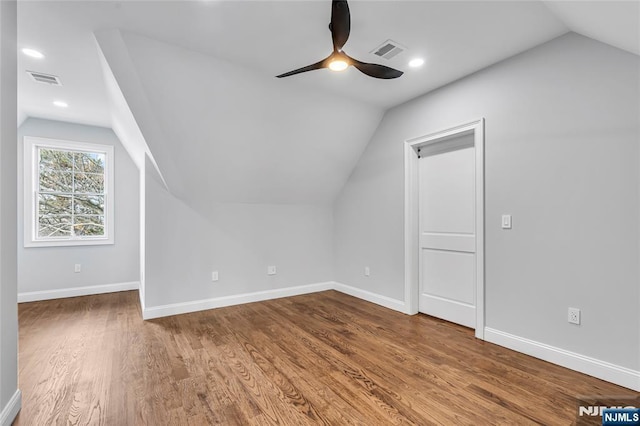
(45, 78)
(388, 49)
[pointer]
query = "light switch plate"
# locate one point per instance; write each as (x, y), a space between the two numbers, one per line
(506, 221)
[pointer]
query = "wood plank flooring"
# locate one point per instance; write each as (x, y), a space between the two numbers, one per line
(324, 358)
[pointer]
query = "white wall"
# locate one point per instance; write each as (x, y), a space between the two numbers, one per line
(251, 164)
(562, 134)
(48, 270)
(247, 137)
(184, 246)
(9, 393)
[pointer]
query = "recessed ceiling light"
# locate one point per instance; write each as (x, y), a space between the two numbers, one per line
(338, 65)
(33, 53)
(416, 62)
(60, 104)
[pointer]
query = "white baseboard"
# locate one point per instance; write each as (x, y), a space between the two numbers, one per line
(236, 299)
(219, 302)
(601, 369)
(33, 296)
(11, 410)
(593, 367)
(387, 302)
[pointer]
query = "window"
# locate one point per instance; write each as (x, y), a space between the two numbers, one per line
(68, 193)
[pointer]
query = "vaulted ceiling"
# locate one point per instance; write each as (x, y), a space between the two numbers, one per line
(270, 37)
(206, 72)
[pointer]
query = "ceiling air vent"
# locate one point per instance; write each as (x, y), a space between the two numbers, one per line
(45, 78)
(388, 49)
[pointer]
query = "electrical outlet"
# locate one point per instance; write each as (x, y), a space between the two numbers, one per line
(214, 276)
(367, 271)
(574, 316)
(271, 270)
(77, 268)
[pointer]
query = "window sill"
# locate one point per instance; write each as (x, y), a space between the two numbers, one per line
(67, 243)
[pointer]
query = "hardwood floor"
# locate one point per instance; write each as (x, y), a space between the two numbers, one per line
(323, 358)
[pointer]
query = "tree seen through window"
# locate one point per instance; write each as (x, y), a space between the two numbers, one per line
(71, 194)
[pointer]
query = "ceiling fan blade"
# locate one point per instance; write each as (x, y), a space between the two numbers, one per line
(340, 25)
(375, 70)
(316, 66)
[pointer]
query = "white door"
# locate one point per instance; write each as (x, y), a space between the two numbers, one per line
(447, 222)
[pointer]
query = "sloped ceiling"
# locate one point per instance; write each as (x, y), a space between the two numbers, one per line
(270, 37)
(203, 72)
(613, 22)
(236, 136)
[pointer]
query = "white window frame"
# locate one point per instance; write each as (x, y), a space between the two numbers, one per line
(31, 176)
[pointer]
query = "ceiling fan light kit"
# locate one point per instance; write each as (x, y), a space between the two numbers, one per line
(340, 28)
(338, 65)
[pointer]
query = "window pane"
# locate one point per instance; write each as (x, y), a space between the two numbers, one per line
(89, 182)
(90, 162)
(55, 181)
(53, 159)
(89, 204)
(54, 204)
(89, 226)
(54, 226)
(70, 192)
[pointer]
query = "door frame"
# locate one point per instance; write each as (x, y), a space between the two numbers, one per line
(411, 214)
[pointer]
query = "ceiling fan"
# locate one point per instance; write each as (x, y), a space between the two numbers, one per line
(340, 27)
